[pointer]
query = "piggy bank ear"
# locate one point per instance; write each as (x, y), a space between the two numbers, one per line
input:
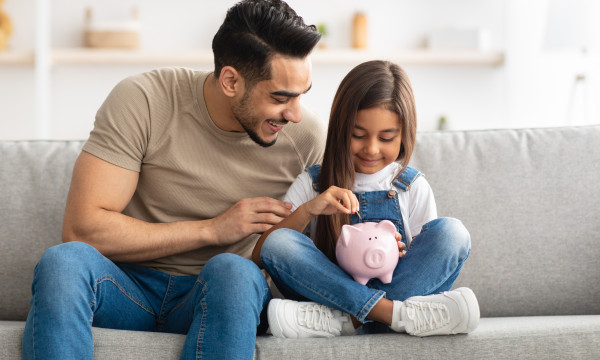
(347, 232)
(387, 225)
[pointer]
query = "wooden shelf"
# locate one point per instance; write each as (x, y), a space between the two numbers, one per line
(12, 57)
(83, 56)
(409, 57)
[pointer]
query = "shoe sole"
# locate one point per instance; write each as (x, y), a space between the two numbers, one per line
(274, 325)
(472, 307)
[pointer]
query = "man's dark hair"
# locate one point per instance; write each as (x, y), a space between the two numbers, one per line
(254, 31)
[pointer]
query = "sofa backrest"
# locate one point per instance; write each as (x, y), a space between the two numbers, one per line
(529, 198)
(34, 181)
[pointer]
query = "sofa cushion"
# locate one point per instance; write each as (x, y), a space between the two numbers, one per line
(556, 337)
(530, 199)
(34, 182)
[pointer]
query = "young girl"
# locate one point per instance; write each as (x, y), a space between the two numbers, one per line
(365, 177)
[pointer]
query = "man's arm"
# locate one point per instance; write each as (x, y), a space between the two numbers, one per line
(100, 191)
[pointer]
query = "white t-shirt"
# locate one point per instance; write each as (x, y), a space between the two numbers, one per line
(417, 204)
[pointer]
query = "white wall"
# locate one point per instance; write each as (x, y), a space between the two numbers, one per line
(531, 89)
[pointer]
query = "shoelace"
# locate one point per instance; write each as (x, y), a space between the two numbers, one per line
(427, 316)
(316, 317)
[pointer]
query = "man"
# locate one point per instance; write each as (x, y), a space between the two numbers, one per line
(181, 171)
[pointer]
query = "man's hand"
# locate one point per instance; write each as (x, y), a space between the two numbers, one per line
(246, 217)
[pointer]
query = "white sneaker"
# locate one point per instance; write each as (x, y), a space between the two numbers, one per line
(293, 320)
(452, 312)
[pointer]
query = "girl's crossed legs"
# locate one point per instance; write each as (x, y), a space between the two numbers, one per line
(430, 266)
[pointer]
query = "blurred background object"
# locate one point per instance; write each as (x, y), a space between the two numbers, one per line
(569, 31)
(5, 28)
(112, 33)
(322, 29)
(359, 31)
(455, 38)
(442, 123)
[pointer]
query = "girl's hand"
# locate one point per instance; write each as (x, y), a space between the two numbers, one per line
(334, 200)
(401, 245)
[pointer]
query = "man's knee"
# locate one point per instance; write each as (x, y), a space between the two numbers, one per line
(62, 272)
(67, 256)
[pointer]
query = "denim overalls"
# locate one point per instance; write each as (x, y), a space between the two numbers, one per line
(378, 205)
(431, 265)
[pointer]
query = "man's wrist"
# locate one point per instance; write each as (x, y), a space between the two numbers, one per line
(204, 233)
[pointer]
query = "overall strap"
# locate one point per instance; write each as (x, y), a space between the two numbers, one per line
(315, 172)
(406, 178)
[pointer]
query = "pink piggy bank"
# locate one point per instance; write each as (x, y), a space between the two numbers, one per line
(368, 250)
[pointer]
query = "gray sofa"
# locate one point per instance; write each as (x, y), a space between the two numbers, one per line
(529, 197)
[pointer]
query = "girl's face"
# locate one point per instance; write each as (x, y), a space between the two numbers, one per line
(376, 139)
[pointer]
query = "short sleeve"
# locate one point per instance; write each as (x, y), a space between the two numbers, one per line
(422, 207)
(122, 125)
(301, 191)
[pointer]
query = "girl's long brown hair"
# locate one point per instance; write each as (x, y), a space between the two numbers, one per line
(370, 84)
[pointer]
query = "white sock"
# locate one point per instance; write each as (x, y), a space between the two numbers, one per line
(348, 326)
(397, 323)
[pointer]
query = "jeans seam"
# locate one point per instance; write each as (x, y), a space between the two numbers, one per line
(202, 320)
(122, 290)
(369, 305)
(373, 201)
(305, 287)
(185, 299)
(33, 337)
(170, 287)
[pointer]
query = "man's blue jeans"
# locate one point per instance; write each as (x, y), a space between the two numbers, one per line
(430, 266)
(75, 288)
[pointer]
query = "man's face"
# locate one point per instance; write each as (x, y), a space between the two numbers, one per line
(265, 109)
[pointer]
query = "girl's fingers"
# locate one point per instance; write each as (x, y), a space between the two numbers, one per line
(356, 203)
(352, 201)
(346, 204)
(343, 200)
(401, 245)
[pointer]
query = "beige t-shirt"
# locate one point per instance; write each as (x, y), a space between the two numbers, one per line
(157, 123)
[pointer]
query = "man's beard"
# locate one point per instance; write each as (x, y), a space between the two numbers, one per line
(243, 114)
(253, 135)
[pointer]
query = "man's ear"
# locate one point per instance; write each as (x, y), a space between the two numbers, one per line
(231, 81)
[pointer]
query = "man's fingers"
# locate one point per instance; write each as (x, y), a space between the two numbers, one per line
(260, 228)
(266, 218)
(270, 205)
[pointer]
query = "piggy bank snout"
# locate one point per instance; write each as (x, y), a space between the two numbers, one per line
(375, 258)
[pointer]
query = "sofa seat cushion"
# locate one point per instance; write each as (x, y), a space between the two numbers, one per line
(550, 337)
